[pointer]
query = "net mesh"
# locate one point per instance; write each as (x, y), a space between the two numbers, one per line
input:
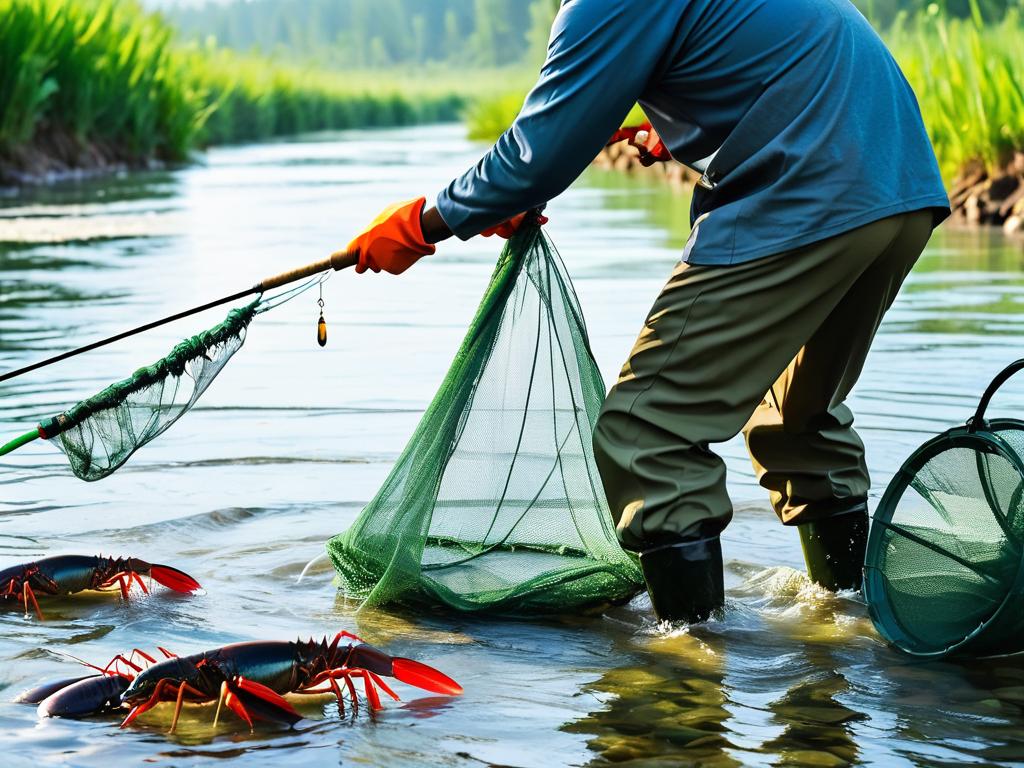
(495, 503)
(100, 434)
(944, 560)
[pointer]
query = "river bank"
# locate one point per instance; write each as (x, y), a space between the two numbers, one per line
(90, 87)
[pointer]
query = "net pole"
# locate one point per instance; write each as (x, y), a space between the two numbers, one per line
(17, 442)
(339, 260)
(124, 335)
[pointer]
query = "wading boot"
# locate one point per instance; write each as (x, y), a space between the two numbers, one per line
(685, 579)
(834, 548)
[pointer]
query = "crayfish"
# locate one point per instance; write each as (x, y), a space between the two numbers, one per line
(67, 574)
(249, 678)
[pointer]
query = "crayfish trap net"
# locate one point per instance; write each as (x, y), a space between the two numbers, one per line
(943, 572)
(101, 433)
(496, 503)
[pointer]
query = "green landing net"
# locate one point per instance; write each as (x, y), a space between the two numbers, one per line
(99, 434)
(496, 504)
(943, 573)
(102, 432)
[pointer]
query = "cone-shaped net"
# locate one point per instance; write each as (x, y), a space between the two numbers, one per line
(495, 503)
(101, 433)
(943, 568)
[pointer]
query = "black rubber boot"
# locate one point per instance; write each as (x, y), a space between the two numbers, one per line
(685, 580)
(834, 549)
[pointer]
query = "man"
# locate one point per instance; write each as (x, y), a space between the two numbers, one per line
(819, 192)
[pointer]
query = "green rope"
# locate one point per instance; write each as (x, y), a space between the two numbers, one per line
(17, 442)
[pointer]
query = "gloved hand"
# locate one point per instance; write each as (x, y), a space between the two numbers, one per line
(646, 140)
(393, 241)
(509, 227)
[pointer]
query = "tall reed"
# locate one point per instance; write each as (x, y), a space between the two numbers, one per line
(969, 80)
(253, 99)
(80, 78)
(97, 71)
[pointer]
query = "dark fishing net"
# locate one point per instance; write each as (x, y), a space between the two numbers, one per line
(943, 569)
(101, 433)
(495, 503)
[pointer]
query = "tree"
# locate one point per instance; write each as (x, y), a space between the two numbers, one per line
(542, 14)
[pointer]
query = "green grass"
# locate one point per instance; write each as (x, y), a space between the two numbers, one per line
(969, 80)
(253, 98)
(100, 71)
(968, 76)
(104, 76)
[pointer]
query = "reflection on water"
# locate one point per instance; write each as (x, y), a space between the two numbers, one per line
(292, 440)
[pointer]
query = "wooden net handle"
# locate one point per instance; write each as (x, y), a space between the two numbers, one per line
(337, 260)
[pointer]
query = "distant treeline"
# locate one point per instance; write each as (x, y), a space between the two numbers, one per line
(386, 33)
(92, 83)
(378, 33)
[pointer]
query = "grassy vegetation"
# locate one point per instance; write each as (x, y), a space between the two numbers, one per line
(102, 78)
(101, 71)
(253, 98)
(969, 80)
(968, 75)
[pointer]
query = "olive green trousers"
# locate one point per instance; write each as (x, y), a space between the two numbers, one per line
(796, 326)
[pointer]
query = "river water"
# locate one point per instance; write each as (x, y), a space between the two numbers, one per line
(292, 440)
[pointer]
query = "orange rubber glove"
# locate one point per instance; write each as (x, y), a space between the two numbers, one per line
(645, 139)
(509, 227)
(393, 241)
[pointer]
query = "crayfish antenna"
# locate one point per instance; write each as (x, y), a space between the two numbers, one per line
(346, 635)
(420, 675)
(174, 579)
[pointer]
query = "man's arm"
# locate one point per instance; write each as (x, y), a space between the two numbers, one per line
(434, 227)
(601, 56)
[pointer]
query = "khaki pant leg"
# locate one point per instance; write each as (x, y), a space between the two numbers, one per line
(801, 438)
(713, 343)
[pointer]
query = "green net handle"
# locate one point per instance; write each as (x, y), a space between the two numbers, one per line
(17, 442)
(977, 421)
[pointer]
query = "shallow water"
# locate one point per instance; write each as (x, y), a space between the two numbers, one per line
(292, 440)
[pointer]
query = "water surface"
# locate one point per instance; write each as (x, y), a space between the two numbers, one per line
(292, 440)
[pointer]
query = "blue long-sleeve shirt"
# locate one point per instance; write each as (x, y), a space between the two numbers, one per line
(810, 127)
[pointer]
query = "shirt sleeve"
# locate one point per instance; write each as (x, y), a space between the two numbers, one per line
(601, 55)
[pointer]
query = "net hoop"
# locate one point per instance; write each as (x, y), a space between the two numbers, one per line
(876, 592)
(983, 572)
